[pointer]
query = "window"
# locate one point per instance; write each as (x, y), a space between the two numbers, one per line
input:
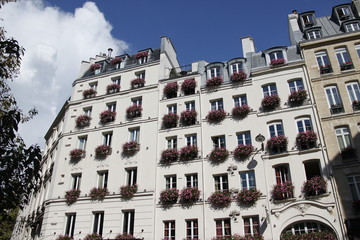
(215, 72)
(172, 108)
(221, 182)
(70, 224)
(323, 62)
(306, 227)
(111, 107)
(276, 55)
(223, 227)
(98, 222)
(170, 181)
(308, 20)
(314, 34)
(276, 129)
(269, 90)
(107, 138)
(192, 229)
(76, 180)
(303, 124)
(352, 27)
(137, 101)
(82, 142)
(357, 48)
(191, 180)
(128, 221)
(240, 100)
(94, 84)
(333, 98)
(102, 179)
(343, 57)
(217, 104)
(354, 184)
(131, 176)
(116, 80)
(353, 91)
(296, 85)
(134, 134)
(190, 105)
(191, 139)
(312, 169)
(236, 67)
(247, 180)
(87, 111)
(343, 12)
(343, 137)
(244, 138)
(251, 225)
(169, 230)
(171, 142)
(219, 141)
(140, 75)
(282, 174)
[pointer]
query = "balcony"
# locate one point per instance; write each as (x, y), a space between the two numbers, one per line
(336, 109)
(346, 66)
(324, 69)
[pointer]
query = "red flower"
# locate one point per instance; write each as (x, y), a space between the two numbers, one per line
(277, 62)
(238, 77)
(131, 148)
(169, 196)
(219, 154)
(220, 199)
(214, 82)
(116, 60)
(240, 111)
(141, 55)
(170, 90)
(189, 195)
(270, 102)
(128, 191)
(188, 86)
(82, 121)
(71, 196)
(103, 150)
(77, 153)
(188, 117)
(88, 93)
(248, 196)
(315, 186)
(189, 152)
(216, 116)
(243, 151)
(133, 111)
(137, 82)
(283, 191)
(98, 194)
(170, 120)
(114, 87)
(169, 155)
(107, 116)
(95, 66)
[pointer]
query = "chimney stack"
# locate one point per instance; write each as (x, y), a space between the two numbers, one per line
(247, 45)
(109, 52)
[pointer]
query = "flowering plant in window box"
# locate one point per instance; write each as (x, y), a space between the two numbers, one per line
(238, 77)
(277, 62)
(277, 144)
(71, 196)
(169, 196)
(170, 90)
(248, 196)
(130, 148)
(219, 154)
(323, 235)
(348, 152)
(243, 151)
(133, 111)
(220, 199)
(103, 150)
(107, 116)
(283, 191)
(188, 117)
(297, 97)
(64, 237)
(113, 88)
(315, 186)
(77, 153)
(89, 93)
(98, 194)
(82, 121)
(137, 82)
(306, 140)
(189, 195)
(214, 82)
(125, 236)
(356, 105)
(116, 60)
(325, 68)
(169, 155)
(216, 116)
(141, 55)
(270, 102)
(170, 120)
(128, 191)
(93, 236)
(189, 152)
(188, 86)
(346, 65)
(95, 66)
(240, 112)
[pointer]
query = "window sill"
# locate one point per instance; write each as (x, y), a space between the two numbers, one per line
(318, 196)
(284, 200)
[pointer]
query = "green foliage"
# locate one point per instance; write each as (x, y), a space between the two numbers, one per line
(7, 222)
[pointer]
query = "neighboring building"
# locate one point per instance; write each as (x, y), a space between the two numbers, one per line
(331, 50)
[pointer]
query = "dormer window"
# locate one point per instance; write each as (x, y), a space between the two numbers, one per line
(352, 27)
(343, 12)
(236, 67)
(215, 72)
(276, 55)
(313, 34)
(308, 20)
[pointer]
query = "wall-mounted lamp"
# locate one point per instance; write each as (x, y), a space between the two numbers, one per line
(260, 139)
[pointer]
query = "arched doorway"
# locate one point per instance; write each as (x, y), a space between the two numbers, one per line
(307, 230)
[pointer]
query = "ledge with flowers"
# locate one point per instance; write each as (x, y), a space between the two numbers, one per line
(188, 117)
(216, 116)
(323, 235)
(240, 112)
(170, 120)
(134, 111)
(248, 196)
(188, 153)
(98, 194)
(283, 191)
(306, 140)
(77, 153)
(214, 82)
(218, 155)
(297, 97)
(171, 89)
(277, 62)
(189, 195)
(239, 237)
(113, 88)
(71, 196)
(82, 121)
(220, 199)
(314, 187)
(242, 152)
(107, 116)
(89, 93)
(137, 83)
(169, 155)
(169, 196)
(188, 86)
(238, 77)
(270, 102)
(103, 150)
(277, 144)
(128, 191)
(130, 148)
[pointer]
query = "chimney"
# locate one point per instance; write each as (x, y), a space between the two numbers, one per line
(356, 5)
(295, 33)
(109, 52)
(247, 45)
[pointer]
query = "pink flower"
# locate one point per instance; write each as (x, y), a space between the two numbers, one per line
(188, 86)
(88, 93)
(114, 87)
(169, 196)
(248, 196)
(315, 186)
(169, 155)
(82, 121)
(95, 66)
(131, 148)
(71, 196)
(216, 116)
(283, 191)
(133, 111)
(238, 77)
(107, 116)
(103, 150)
(188, 117)
(189, 152)
(297, 97)
(219, 155)
(214, 82)
(220, 199)
(277, 62)
(270, 102)
(170, 120)
(189, 195)
(170, 90)
(128, 191)
(240, 111)
(116, 60)
(77, 153)
(243, 151)
(137, 82)
(98, 194)
(141, 54)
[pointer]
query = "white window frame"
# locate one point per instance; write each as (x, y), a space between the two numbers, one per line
(249, 176)
(190, 105)
(131, 176)
(87, 111)
(170, 225)
(214, 72)
(274, 55)
(76, 180)
(357, 48)
(304, 121)
(192, 228)
(284, 173)
(277, 131)
(116, 80)
(217, 104)
(172, 108)
(298, 84)
(219, 141)
(103, 178)
(236, 67)
(355, 181)
(322, 58)
(221, 182)
(240, 100)
(343, 137)
(140, 75)
(352, 27)
(134, 134)
(332, 95)
(353, 90)
(192, 180)
(251, 224)
(137, 101)
(99, 218)
(345, 11)
(223, 232)
(341, 54)
(170, 181)
(107, 137)
(244, 138)
(93, 85)
(111, 106)
(128, 221)
(70, 224)
(268, 91)
(191, 140)
(82, 142)
(308, 18)
(314, 34)
(171, 142)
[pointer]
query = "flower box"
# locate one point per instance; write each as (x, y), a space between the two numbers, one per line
(64, 237)
(348, 152)
(216, 116)
(137, 83)
(297, 97)
(116, 60)
(346, 66)
(323, 235)
(130, 148)
(98, 194)
(103, 150)
(113, 88)
(89, 93)
(93, 236)
(315, 186)
(277, 144)
(107, 116)
(188, 86)
(128, 191)
(219, 155)
(189, 195)
(238, 77)
(82, 121)
(248, 196)
(240, 112)
(189, 152)
(239, 237)
(306, 140)
(125, 236)
(270, 102)
(356, 105)
(170, 90)
(170, 120)
(214, 82)
(336, 108)
(277, 62)
(77, 153)
(188, 117)
(283, 191)
(169, 196)
(71, 196)
(241, 152)
(133, 111)
(220, 199)
(95, 66)
(141, 55)
(169, 155)
(325, 69)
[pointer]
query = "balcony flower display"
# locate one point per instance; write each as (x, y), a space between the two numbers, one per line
(277, 62)
(220, 199)
(189, 152)
(170, 90)
(98, 194)
(240, 111)
(71, 196)
(188, 117)
(169, 155)
(297, 97)
(239, 237)
(306, 140)
(356, 105)
(248, 196)
(270, 102)
(219, 154)
(238, 77)
(125, 236)
(128, 191)
(82, 121)
(137, 82)
(133, 111)
(277, 144)
(116, 60)
(283, 191)
(325, 68)
(107, 116)
(93, 236)
(130, 148)
(77, 153)
(113, 88)
(315, 186)
(216, 116)
(170, 120)
(243, 151)
(95, 66)
(141, 54)
(188, 86)
(189, 195)
(346, 65)
(64, 237)
(323, 235)
(103, 150)
(89, 93)
(169, 196)
(214, 82)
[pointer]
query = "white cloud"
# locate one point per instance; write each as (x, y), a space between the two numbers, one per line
(55, 42)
